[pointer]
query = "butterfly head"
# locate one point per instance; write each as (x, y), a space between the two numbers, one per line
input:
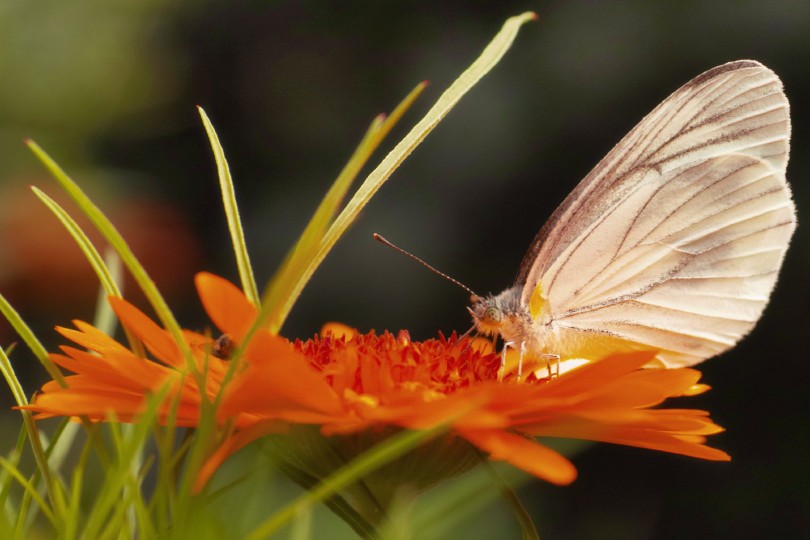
(486, 315)
(500, 314)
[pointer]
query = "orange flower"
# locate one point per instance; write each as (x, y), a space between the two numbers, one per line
(113, 379)
(360, 384)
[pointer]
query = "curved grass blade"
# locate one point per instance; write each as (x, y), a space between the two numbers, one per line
(111, 234)
(88, 249)
(104, 318)
(109, 282)
(480, 67)
(299, 258)
(27, 335)
(14, 456)
(527, 528)
(232, 213)
(11, 379)
(383, 453)
(31, 490)
(33, 433)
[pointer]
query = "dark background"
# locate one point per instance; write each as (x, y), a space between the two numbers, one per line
(109, 90)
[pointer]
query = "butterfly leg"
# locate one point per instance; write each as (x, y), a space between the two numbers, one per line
(556, 359)
(502, 371)
(520, 359)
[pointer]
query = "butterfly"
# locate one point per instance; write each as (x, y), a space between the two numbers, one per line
(672, 242)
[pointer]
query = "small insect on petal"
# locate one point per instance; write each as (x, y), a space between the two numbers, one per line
(223, 347)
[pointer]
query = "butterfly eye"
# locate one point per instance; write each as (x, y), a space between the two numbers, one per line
(492, 315)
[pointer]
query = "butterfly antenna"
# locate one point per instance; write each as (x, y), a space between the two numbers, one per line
(382, 240)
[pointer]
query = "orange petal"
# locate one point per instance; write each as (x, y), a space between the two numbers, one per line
(643, 437)
(338, 330)
(642, 388)
(666, 443)
(96, 404)
(277, 378)
(157, 340)
(697, 389)
(465, 410)
(231, 445)
(225, 304)
(123, 370)
(524, 453)
(90, 337)
(584, 379)
(94, 367)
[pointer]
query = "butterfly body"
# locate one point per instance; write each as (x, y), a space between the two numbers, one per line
(673, 242)
(535, 334)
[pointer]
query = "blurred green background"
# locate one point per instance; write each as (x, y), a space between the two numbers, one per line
(109, 88)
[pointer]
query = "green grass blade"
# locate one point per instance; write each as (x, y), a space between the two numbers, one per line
(527, 528)
(11, 379)
(61, 443)
(27, 335)
(81, 239)
(108, 274)
(33, 434)
(111, 234)
(301, 256)
(276, 296)
(105, 319)
(120, 478)
(302, 526)
(31, 490)
(369, 461)
(14, 459)
(74, 509)
(480, 67)
(232, 213)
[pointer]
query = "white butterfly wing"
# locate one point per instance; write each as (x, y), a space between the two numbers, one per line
(675, 239)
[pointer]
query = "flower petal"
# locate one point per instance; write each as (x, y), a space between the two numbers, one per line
(226, 305)
(524, 453)
(157, 340)
(584, 379)
(277, 382)
(231, 445)
(90, 337)
(117, 370)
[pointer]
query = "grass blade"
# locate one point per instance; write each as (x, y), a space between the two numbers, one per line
(480, 67)
(383, 453)
(114, 238)
(276, 298)
(27, 335)
(88, 249)
(232, 213)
